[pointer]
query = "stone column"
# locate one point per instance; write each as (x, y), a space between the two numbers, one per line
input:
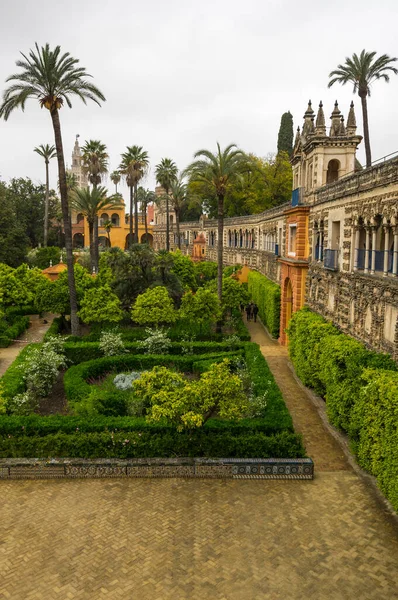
(386, 249)
(395, 254)
(356, 249)
(367, 247)
(314, 233)
(373, 267)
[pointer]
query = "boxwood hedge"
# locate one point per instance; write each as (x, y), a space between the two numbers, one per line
(360, 388)
(267, 295)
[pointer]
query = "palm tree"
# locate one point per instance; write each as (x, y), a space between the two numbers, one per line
(145, 197)
(134, 167)
(178, 198)
(166, 172)
(90, 202)
(362, 71)
(216, 173)
(95, 165)
(115, 178)
(52, 79)
(107, 225)
(47, 152)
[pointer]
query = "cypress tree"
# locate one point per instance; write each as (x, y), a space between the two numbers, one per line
(285, 135)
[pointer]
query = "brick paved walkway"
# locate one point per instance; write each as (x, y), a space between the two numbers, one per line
(329, 539)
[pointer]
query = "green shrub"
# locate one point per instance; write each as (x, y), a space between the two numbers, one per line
(19, 325)
(360, 388)
(12, 381)
(307, 332)
(267, 295)
(55, 328)
(151, 443)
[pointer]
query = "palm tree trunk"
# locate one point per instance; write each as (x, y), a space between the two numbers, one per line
(131, 217)
(74, 319)
(46, 202)
(91, 234)
(177, 212)
(135, 214)
(95, 244)
(146, 223)
(366, 129)
(167, 222)
(220, 249)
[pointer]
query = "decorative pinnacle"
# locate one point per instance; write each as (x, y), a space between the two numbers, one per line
(351, 120)
(342, 130)
(320, 124)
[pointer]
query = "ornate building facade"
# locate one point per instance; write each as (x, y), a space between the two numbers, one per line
(335, 246)
(116, 235)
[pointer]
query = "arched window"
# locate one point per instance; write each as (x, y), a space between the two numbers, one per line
(115, 220)
(333, 171)
(103, 219)
(79, 218)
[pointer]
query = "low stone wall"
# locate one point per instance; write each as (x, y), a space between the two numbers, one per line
(222, 468)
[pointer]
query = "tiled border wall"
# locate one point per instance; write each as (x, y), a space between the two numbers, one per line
(222, 468)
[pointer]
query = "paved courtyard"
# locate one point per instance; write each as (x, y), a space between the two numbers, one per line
(221, 540)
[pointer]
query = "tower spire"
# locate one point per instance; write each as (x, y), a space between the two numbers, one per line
(335, 117)
(308, 127)
(351, 120)
(342, 130)
(320, 125)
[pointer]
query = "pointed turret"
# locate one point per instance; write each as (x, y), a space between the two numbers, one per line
(335, 117)
(351, 121)
(320, 125)
(342, 130)
(308, 127)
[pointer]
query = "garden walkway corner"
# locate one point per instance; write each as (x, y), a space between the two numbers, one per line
(37, 329)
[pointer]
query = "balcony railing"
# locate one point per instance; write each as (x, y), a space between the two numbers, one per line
(296, 194)
(276, 249)
(331, 260)
(318, 254)
(362, 255)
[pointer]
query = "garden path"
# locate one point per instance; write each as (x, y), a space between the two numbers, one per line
(326, 539)
(34, 333)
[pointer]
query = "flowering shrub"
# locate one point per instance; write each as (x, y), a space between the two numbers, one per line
(24, 404)
(232, 341)
(41, 366)
(123, 381)
(111, 343)
(157, 342)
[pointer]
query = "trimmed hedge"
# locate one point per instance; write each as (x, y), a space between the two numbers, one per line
(18, 326)
(75, 380)
(84, 351)
(131, 444)
(55, 328)
(267, 295)
(360, 388)
(12, 381)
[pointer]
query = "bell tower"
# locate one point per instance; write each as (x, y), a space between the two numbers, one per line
(76, 168)
(320, 157)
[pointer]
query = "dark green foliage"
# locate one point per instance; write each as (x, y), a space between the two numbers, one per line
(144, 443)
(205, 272)
(12, 381)
(42, 257)
(267, 295)
(13, 324)
(285, 135)
(360, 388)
(13, 238)
(56, 328)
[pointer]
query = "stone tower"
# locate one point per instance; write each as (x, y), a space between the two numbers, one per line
(76, 168)
(320, 157)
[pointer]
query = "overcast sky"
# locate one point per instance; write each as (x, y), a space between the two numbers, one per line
(180, 75)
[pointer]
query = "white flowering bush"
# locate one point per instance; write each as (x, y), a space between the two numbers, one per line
(24, 404)
(157, 342)
(232, 341)
(41, 366)
(123, 381)
(258, 404)
(187, 344)
(111, 343)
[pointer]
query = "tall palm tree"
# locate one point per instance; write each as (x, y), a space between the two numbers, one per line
(47, 152)
(166, 172)
(115, 178)
(95, 165)
(216, 173)
(362, 71)
(90, 202)
(52, 79)
(145, 197)
(134, 166)
(178, 198)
